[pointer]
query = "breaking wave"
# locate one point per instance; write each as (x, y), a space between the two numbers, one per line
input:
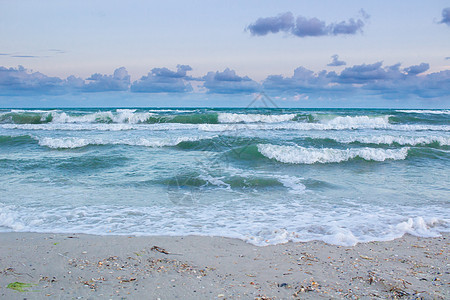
(254, 118)
(302, 155)
(73, 142)
(426, 111)
(400, 140)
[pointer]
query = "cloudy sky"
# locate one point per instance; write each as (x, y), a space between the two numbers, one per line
(224, 53)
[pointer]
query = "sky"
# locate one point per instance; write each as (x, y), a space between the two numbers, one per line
(383, 54)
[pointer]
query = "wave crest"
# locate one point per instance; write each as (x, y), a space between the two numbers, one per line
(254, 118)
(301, 155)
(74, 142)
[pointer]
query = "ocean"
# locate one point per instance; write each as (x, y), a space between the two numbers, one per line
(263, 175)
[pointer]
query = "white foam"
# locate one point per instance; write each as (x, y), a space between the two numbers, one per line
(417, 226)
(293, 183)
(254, 118)
(122, 116)
(100, 127)
(171, 110)
(390, 139)
(217, 181)
(302, 155)
(356, 122)
(34, 111)
(9, 218)
(264, 224)
(426, 111)
(66, 143)
(75, 142)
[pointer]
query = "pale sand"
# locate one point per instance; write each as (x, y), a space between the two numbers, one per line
(75, 266)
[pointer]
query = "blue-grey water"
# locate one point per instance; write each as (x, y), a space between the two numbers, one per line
(266, 176)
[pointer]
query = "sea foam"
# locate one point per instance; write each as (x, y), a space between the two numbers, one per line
(302, 155)
(254, 118)
(75, 142)
(390, 139)
(426, 111)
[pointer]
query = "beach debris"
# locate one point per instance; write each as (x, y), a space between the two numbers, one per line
(366, 257)
(20, 286)
(11, 271)
(46, 278)
(259, 297)
(159, 249)
(126, 280)
(308, 257)
(399, 292)
(313, 286)
(90, 284)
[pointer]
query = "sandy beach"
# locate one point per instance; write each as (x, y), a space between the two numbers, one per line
(76, 266)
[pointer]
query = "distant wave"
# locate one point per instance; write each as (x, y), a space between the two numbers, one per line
(350, 124)
(100, 127)
(400, 140)
(133, 119)
(302, 155)
(298, 126)
(132, 116)
(72, 142)
(254, 118)
(426, 111)
(119, 116)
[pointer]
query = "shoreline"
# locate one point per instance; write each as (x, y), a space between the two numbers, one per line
(84, 266)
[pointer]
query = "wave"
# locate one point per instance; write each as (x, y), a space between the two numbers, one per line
(15, 140)
(426, 111)
(345, 226)
(74, 142)
(254, 118)
(194, 179)
(26, 117)
(400, 140)
(130, 116)
(133, 119)
(341, 124)
(301, 155)
(119, 116)
(184, 142)
(99, 127)
(354, 122)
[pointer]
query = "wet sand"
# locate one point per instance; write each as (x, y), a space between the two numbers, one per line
(76, 266)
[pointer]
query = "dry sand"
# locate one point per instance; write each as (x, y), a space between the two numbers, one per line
(75, 266)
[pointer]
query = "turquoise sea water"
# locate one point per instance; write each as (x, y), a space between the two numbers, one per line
(266, 176)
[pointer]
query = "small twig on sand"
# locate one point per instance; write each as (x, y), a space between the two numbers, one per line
(162, 250)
